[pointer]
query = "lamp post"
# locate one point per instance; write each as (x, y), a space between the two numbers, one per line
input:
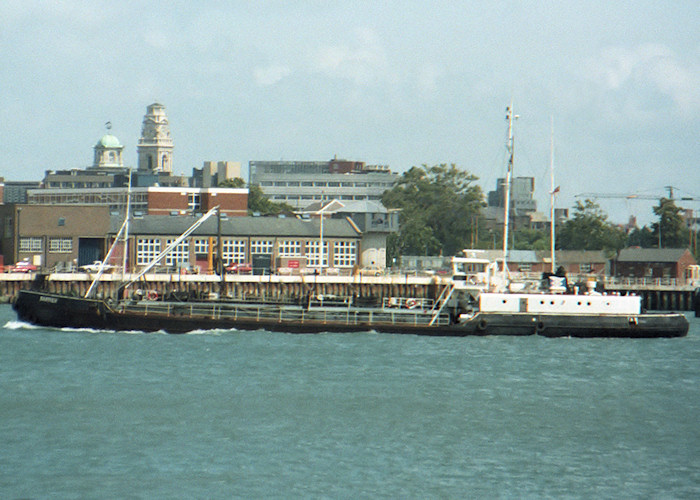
(17, 237)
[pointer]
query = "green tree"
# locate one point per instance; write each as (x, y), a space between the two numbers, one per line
(258, 202)
(670, 231)
(236, 182)
(438, 205)
(641, 237)
(589, 229)
(531, 239)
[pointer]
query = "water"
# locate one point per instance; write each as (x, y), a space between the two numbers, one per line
(263, 415)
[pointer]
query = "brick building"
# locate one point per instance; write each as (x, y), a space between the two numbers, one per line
(653, 262)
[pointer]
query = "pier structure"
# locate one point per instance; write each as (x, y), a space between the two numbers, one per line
(658, 294)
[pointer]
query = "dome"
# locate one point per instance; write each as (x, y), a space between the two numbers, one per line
(109, 141)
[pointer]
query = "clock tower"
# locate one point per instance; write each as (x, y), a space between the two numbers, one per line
(155, 147)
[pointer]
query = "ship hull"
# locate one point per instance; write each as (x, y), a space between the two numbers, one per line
(59, 311)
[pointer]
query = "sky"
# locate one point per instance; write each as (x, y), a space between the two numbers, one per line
(397, 83)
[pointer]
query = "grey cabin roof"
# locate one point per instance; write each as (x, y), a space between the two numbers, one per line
(651, 254)
(175, 225)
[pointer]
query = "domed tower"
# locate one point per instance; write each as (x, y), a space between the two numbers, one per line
(108, 151)
(155, 148)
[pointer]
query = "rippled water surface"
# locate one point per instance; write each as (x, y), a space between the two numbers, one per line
(225, 414)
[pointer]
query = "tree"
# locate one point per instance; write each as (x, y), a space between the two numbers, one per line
(670, 231)
(589, 229)
(531, 239)
(642, 237)
(258, 202)
(236, 182)
(438, 205)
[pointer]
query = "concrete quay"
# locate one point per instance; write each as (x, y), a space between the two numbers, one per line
(658, 294)
(239, 287)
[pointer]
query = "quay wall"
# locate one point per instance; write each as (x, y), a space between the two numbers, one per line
(251, 288)
(662, 297)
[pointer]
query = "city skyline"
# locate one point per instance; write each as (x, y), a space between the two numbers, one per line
(380, 83)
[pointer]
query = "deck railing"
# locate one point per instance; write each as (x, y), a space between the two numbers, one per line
(348, 316)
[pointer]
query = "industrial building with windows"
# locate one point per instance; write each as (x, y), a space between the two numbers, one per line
(300, 183)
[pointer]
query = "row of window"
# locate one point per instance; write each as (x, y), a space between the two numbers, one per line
(56, 245)
(79, 185)
(234, 251)
(320, 197)
(147, 249)
(325, 184)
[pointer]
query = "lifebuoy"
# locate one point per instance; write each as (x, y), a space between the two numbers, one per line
(152, 295)
(481, 325)
(540, 327)
(411, 303)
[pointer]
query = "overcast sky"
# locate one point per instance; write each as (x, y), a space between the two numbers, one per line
(400, 83)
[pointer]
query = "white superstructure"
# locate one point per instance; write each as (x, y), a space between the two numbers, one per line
(546, 303)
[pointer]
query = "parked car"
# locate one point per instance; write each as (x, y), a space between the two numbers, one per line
(239, 267)
(371, 270)
(23, 266)
(95, 267)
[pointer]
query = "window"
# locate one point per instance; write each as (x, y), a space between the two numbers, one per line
(233, 251)
(261, 246)
(194, 201)
(201, 246)
(61, 245)
(344, 253)
(147, 249)
(312, 253)
(61, 221)
(586, 267)
(289, 248)
(30, 245)
(178, 255)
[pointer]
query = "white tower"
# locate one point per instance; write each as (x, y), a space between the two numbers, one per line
(155, 148)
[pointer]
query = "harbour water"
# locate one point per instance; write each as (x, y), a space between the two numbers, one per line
(225, 414)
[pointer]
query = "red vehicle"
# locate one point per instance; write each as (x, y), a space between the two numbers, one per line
(23, 266)
(240, 267)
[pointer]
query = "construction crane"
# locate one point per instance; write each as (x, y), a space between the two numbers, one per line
(632, 196)
(691, 221)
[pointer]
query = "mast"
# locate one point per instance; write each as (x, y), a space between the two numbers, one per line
(510, 148)
(553, 192)
(171, 246)
(126, 228)
(123, 230)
